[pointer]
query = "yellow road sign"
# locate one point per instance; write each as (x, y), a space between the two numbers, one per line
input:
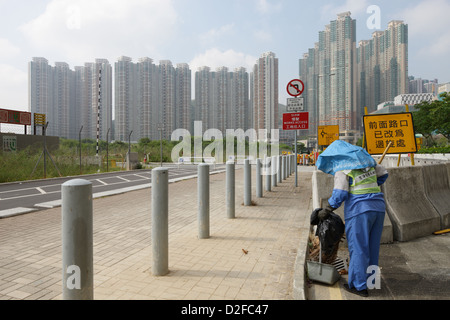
(327, 134)
(39, 119)
(379, 130)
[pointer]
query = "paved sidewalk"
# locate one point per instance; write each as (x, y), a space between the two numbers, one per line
(250, 257)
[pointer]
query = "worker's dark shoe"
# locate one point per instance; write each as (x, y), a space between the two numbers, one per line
(362, 293)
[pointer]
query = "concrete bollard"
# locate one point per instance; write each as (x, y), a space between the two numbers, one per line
(77, 240)
(288, 159)
(268, 173)
(274, 171)
(203, 201)
(284, 168)
(280, 169)
(160, 221)
(259, 189)
(247, 183)
(230, 185)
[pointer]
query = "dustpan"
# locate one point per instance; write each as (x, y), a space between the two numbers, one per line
(322, 272)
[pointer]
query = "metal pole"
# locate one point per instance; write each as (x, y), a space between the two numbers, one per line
(45, 148)
(295, 166)
(259, 189)
(77, 240)
(230, 183)
(267, 172)
(160, 221)
(129, 143)
(203, 201)
(247, 183)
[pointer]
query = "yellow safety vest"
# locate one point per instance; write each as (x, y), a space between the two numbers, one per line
(364, 182)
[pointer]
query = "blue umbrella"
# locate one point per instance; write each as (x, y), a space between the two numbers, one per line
(341, 155)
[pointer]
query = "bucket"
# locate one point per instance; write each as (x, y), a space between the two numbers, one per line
(322, 272)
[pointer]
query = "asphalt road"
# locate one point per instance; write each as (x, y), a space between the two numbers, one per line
(22, 197)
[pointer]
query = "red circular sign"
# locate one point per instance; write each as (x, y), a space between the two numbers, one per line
(295, 87)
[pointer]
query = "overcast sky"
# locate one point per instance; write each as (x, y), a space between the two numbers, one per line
(230, 33)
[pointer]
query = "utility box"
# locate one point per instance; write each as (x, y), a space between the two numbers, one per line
(132, 160)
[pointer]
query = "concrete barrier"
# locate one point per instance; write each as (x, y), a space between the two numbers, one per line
(322, 188)
(437, 190)
(411, 213)
(448, 170)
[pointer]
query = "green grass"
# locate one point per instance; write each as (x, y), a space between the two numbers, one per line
(19, 165)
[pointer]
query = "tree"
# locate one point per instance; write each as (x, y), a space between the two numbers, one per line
(423, 121)
(442, 115)
(433, 117)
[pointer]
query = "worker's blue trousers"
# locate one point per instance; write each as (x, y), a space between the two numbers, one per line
(363, 233)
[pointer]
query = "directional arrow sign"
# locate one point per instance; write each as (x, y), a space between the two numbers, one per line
(295, 87)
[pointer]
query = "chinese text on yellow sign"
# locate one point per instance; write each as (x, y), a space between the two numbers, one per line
(379, 130)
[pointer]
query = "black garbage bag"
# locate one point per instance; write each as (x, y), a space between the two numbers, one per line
(329, 231)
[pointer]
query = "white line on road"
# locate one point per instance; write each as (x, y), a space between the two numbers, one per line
(102, 182)
(40, 190)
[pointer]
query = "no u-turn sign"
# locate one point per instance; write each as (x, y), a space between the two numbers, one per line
(295, 87)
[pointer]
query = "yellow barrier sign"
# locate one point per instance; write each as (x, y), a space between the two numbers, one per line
(379, 130)
(39, 119)
(327, 134)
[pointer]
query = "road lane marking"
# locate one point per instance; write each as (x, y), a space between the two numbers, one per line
(102, 182)
(40, 190)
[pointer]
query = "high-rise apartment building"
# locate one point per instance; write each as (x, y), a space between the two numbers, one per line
(102, 97)
(93, 98)
(150, 97)
(222, 98)
(265, 92)
(239, 110)
(148, 87)
(40, 88)
(167, 111)
(329, 72)
(70, 98)
(125, 120)
(183, 97)
(383, 66)
(204, 95)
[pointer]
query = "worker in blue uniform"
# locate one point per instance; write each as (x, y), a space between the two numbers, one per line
(364, 212)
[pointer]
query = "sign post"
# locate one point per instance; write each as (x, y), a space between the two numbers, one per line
(295, 88)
